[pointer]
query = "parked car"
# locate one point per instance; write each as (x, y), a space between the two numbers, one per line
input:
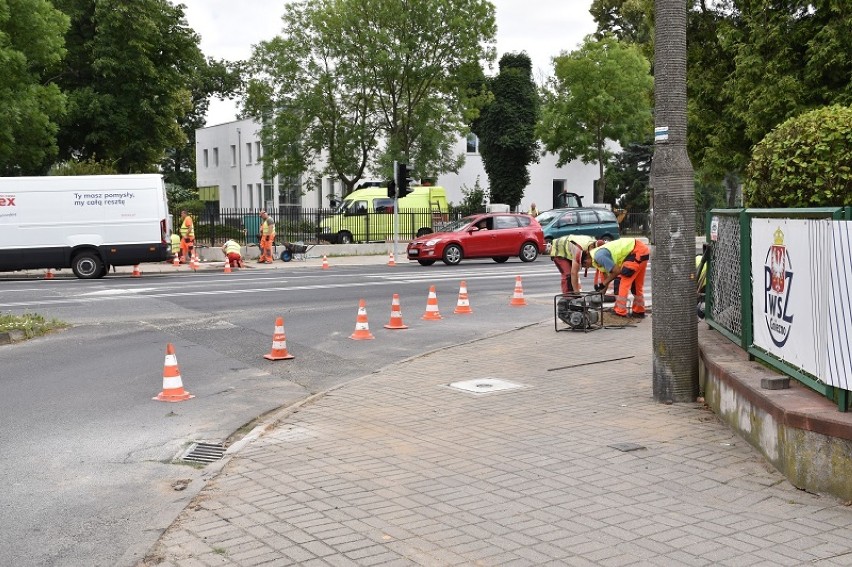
(592, 221)
(491, 235)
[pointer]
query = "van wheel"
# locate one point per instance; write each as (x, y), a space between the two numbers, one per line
(529, 252)
(87, 265)
(344, 238)
(424, 231)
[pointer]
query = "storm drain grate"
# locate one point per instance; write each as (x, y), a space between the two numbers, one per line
(484, 385)
(626, 447)
(204, 453)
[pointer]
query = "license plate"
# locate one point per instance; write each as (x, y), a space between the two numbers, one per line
(413, 252)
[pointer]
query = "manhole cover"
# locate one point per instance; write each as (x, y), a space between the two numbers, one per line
(204, 453)
(484, 385)
(626, 447)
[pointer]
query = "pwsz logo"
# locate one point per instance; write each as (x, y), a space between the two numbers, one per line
(7, 201)
(778, 280)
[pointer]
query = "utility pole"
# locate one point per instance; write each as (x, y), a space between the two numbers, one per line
(675, 327)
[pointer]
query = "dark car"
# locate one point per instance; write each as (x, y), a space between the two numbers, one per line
(492, 235)
(596, 222)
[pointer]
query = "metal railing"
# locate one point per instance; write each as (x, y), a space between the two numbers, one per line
(730, 285)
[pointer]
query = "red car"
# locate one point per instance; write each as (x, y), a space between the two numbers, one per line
(492, 235)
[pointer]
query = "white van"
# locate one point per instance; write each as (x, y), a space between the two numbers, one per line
(87, 223)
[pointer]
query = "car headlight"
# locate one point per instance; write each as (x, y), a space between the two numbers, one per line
(432, 241)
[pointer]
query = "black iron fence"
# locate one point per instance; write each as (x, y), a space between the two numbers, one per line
(314, 226)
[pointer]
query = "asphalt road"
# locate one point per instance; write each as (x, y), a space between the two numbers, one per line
(89, 457)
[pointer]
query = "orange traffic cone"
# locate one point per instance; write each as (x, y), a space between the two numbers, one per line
(432, 312)
(518, 297)
(325, 265)
(228, 266)
(176, 261)
(136, 273)
(362, 327)
(48, 275)
(391, 261)
(172, 385)
(463, 305)
(279, 343)
(396, 314)
(194, 262)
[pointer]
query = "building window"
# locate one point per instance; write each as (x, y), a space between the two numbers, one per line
(233, 156)
(206, 160)
(472, 143)
(215, 157)
(257, 152)
(234, 188)
(248, 153)
(289, 190)
(249, 188)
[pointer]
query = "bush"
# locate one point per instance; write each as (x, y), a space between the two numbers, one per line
(804, 162)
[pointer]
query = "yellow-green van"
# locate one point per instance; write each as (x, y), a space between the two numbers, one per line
(366, 215)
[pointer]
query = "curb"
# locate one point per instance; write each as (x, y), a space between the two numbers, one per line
(13, 336)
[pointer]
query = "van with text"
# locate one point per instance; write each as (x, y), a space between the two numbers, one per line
(366, 215)
(87, 223)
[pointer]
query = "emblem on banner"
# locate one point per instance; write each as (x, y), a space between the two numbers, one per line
(779, 278)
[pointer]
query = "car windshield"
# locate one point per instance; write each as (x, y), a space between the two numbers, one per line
(458, 225)
(547, 216)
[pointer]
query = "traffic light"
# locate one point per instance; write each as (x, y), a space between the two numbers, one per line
(391, 189)
(402, 177)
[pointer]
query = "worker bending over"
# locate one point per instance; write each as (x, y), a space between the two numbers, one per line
(567, 253)
(623, 261)
(233, 252)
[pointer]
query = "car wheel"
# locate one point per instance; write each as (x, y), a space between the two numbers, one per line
(344, 238)
(529, 252)
(425, 262)
(500, 259)
(87, 265)
(452, 255)
(606, 238)
(424, 231)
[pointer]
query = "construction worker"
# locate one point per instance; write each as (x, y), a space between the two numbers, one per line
(267, 237)
(567, 253)
(187, 236)
(175, 245)
(233, 252)
(624, 261)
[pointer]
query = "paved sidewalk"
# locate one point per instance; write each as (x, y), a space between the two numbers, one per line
(397, 468)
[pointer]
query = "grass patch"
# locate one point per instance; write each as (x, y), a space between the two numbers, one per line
(31, 324)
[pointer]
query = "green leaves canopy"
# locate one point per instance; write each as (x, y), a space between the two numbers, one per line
(601, 91)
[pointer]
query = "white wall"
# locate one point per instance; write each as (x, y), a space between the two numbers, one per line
(578, 177)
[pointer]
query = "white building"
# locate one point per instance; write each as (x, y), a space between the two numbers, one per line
(229, 170)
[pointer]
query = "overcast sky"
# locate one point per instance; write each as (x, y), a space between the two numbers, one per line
(542, 28)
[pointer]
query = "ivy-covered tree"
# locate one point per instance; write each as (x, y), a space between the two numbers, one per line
(128, 77)
(31, 41)
(599, 92)
(506, 129)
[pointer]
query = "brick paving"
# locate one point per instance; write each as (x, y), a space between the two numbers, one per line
(397, 469)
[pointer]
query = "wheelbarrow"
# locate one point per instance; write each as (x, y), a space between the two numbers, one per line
(295, 251)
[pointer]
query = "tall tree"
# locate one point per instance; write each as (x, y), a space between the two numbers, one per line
(31, 40)
(627, 177)
(506, 129)
(675, 333)
(600, 92)
(128, 79)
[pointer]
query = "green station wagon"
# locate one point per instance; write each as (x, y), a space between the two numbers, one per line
(592, 221)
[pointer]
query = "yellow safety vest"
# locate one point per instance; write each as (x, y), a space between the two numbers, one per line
(563, 247)
(619, 250)
(232, 247)
(267, 228)
(187, 228)
(175, 243)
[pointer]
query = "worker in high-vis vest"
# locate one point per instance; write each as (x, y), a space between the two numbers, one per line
(187, 237)
(175, 245)
(623, 261)
(267, 237)
(567, 253)
(233, 252)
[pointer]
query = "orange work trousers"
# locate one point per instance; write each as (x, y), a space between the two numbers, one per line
(187, 245)
(266, 250)
(632, 280)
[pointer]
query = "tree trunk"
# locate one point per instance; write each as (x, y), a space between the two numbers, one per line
(675, 326)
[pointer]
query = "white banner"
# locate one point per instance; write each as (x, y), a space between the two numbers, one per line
(838, 353)
(790, 282)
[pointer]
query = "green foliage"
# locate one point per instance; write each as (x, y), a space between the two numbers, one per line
(627, 177)
(804, 162)
(600, 92)
(128, 77)
(32, 324)
(473, 199)
(193, 206)
(31, 41)
(180, 194)
(89, 166)
(347, 74)
(506, 129)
